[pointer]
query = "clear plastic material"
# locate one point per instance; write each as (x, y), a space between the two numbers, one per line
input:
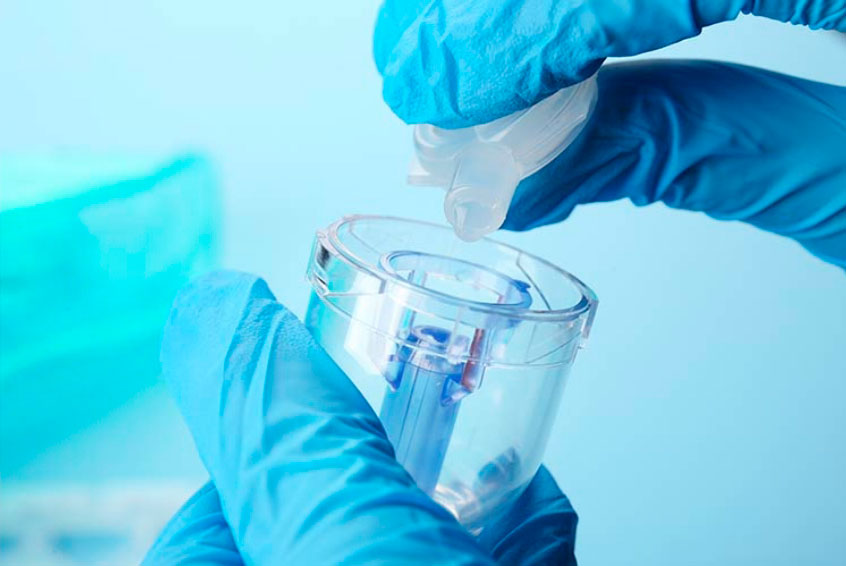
(481, 166)
(461, 349)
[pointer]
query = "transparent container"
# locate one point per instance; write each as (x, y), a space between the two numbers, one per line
(462, 349)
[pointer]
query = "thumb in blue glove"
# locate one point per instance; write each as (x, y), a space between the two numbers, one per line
(301, 470)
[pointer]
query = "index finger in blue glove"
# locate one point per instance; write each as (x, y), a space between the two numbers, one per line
(735, 142)
(455, 63)
(303, 468)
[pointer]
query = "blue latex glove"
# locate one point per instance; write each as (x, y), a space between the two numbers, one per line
(301, 469)
(456, 63)
(734, 142)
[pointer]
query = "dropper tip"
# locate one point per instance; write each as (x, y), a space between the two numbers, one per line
(473, 220)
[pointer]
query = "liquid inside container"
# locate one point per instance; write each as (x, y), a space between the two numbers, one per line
(462, 350)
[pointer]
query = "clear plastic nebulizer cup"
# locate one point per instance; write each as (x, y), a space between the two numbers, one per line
(462, 350)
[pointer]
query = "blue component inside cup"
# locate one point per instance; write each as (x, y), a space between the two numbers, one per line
(424, 388)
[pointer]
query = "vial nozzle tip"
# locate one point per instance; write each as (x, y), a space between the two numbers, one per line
(472, 221)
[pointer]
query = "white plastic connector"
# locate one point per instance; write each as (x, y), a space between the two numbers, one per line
(481, 166)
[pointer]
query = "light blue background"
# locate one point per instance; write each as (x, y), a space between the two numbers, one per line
(706, 421)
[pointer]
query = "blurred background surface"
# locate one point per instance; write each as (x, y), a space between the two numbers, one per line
(704, 424)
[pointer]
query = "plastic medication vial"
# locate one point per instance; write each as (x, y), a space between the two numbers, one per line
(480, 166)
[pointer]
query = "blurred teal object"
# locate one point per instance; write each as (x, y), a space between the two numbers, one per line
(92, 251)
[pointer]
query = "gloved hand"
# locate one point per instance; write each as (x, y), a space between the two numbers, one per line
(301, 469)
(734, 142)
(456, 63)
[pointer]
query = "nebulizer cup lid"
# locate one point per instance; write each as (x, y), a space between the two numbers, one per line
(481, 166)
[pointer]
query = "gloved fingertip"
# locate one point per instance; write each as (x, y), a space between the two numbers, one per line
(203, 318)
(205, 321)
(539, 200)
